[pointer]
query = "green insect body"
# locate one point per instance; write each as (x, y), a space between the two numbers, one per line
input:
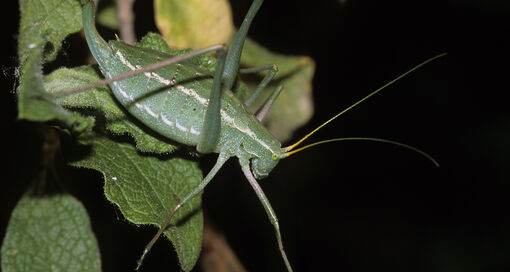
(177, 101)
(173, 100)
(186, 104)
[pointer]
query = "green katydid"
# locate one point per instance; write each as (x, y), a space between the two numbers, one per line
(182, 102)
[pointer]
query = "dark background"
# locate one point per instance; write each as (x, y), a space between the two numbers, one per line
(346, 206)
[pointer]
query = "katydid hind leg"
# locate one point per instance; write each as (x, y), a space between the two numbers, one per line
(222, 158)
(245, 165)
(212, 121)
(226, 73)
(234, 53)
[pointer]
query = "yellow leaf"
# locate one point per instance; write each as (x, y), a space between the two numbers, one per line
(194, 23)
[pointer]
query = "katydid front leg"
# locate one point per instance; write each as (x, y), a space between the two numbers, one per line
(245, 165)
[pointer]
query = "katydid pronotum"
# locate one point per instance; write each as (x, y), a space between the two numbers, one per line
(182, 102)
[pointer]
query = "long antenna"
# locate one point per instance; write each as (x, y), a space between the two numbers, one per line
(289, 148)
(421, 152)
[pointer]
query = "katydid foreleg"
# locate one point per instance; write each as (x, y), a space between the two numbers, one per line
(219, 163)
(245, 166)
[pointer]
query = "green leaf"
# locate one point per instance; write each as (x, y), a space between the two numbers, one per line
(48, 20)
(154, 41)
(35, 104)
(294, 106)
(145, 188)
(44, 24)
(50, 233)
(182, 23)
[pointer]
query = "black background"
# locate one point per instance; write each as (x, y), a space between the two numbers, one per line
(345, 206)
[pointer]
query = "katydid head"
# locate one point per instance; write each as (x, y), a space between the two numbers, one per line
(262, 166)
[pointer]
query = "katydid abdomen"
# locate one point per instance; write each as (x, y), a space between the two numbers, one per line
(173, 100)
